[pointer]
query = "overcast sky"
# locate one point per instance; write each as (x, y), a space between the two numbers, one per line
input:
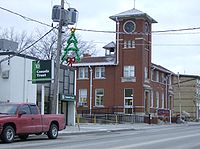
(176, 51)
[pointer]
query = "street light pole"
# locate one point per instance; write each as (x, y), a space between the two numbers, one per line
(54, 104)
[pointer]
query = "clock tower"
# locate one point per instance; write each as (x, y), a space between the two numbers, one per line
(133, 54)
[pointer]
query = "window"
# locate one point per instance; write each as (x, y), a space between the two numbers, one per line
(100, 72)
(163, 100)
(83, 72)
(83, 97)
(34, 109)
(129, 44)
(25, 108)
(99, 97)
(151, 98)
(170, 80)
(133, 44)
(157, 76)
(152, 74)
(125, 44)
(157, 99)
(146, 73)
(163, 78)
(129, 71)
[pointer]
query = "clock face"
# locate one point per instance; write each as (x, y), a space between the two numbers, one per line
(129, 26)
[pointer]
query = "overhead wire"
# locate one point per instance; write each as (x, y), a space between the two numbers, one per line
(101, 31)
(161, 32)
(24, 17)
(19, 52)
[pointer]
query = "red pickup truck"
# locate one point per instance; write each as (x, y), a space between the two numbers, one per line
(24, 119)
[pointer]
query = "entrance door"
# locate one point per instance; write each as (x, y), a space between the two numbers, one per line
(128, 101)
(147, 101)
(64, 110)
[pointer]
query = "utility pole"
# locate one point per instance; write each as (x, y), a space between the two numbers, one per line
(179, 96)
(55, 100)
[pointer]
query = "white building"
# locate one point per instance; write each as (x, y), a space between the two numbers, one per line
(15, 76)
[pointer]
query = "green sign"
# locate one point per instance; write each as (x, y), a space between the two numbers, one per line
(42, 71)
(68, 98)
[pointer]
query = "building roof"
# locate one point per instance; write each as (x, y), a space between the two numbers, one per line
(132, 13)
(16, 54)
(110, 45)
(96, 61)
(189, 76)
(161, 68)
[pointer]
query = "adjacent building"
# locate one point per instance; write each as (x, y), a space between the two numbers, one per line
(187, 95)
(16, 83)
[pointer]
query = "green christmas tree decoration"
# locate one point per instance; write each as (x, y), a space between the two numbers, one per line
(71, 46)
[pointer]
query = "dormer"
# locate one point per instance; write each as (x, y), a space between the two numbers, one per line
(110, 49)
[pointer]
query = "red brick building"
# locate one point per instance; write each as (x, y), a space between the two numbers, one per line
(125, 80)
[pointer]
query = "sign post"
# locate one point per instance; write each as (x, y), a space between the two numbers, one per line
(42, 72)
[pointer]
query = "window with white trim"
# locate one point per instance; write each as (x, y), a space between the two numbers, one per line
(82, 97)
(157, 99)
(129, 71)
(157, 76)
(99, 97)
(100, 72)
(146, 73)
(129, 44)
(83, 72)
(125, 44)
(151, 99)
(163, 100)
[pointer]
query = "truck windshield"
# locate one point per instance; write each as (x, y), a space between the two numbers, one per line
(9, 109)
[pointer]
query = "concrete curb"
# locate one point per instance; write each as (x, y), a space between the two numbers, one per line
(95, 131)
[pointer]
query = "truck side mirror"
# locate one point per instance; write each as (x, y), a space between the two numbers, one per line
(22, 112)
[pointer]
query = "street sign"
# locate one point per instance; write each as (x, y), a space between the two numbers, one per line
(68, 98)
(42, 71)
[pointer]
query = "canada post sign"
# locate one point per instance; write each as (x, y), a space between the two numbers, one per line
(42, 71)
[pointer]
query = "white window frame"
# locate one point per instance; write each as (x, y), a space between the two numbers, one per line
(83, 73)
(82, 97)
(157, 99)
(163, 100)
(152, 95)
(129, 44)
(146, 73)
(129, 71)
(99, 72)
(99, 97)
(157, 76)
(125, 44)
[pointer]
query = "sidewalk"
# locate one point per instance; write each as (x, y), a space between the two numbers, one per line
(93, 128)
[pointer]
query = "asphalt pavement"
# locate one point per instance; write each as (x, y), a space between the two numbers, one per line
(93, 128)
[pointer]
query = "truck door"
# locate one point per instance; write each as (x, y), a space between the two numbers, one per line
(36, 118)
(25, 120)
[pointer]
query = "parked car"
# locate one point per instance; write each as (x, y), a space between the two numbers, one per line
(24, 119)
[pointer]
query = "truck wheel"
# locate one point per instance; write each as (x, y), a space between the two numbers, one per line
(53, 131)
(8, 134)
(23, 137)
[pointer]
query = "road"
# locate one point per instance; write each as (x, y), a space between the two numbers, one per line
(178, 137)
